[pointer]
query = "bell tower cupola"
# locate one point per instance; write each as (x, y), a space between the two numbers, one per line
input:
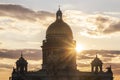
(21, 64)
(59, 14)
(96, 65)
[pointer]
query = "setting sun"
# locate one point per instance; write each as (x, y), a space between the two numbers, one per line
(79, 48)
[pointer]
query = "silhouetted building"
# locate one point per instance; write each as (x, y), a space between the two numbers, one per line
(96, 65)
(59, 58)
(21, 65)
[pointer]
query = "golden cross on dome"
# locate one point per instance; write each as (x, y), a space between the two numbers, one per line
(59, 4)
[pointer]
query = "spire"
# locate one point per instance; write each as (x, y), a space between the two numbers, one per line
(96, 55)
(59, 4)
(59, 7)
(59, 14)
(21, 54)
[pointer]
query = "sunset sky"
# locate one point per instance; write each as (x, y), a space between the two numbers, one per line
(94, 22)
(23, 23)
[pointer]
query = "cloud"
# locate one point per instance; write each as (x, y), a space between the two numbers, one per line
(16, 11)
(116, 14)
(5, 66)
(22, 13)
(9, 57)
(93, 24)
(114, 27)
(106, 24)
(29, 54)
(26, 26)
(23, 26)
(1, 29)
(106, 55)
(82, 65)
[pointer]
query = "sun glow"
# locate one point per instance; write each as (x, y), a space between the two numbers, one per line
(79, 48)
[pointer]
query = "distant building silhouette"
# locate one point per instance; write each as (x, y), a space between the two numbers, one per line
(59, 58)
(96, 65)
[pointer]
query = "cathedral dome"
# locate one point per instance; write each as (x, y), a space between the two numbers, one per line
(59, 27)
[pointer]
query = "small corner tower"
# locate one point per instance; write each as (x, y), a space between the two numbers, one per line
(96, 65)
(109, 70)
(21, 64)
